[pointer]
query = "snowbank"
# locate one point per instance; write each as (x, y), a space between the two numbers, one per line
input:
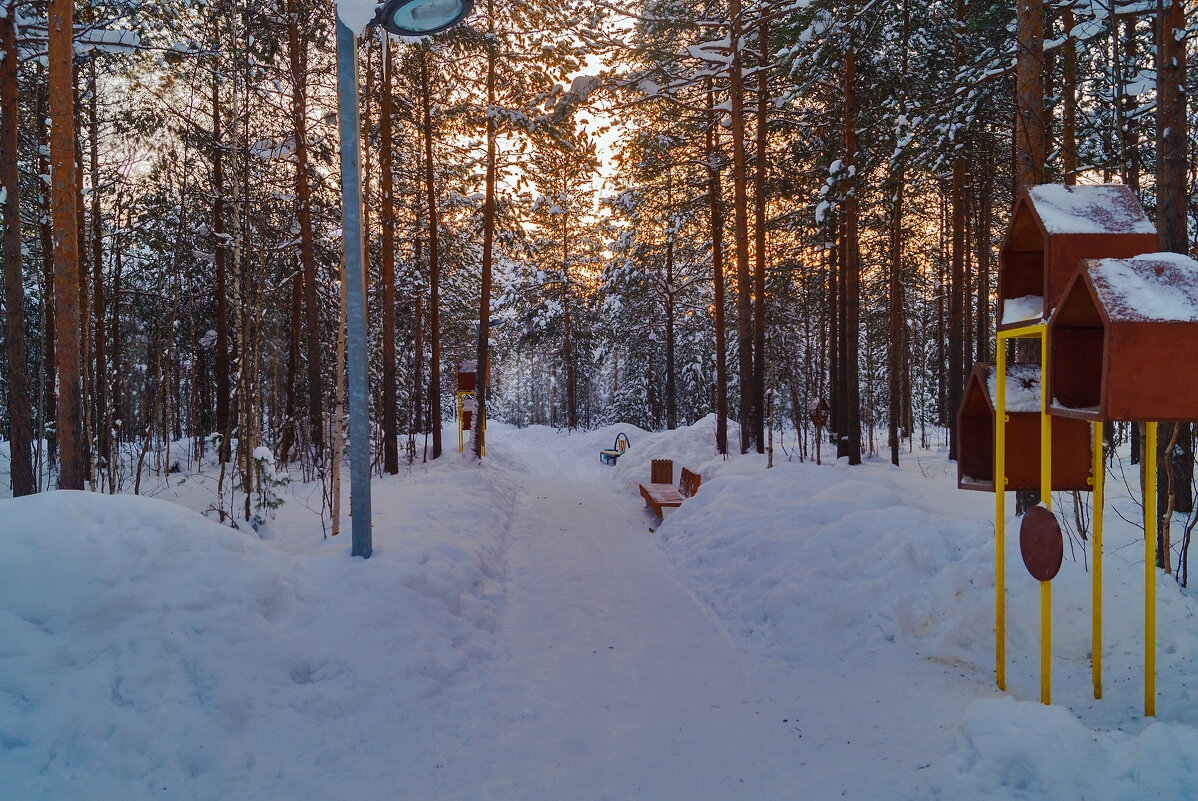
(690, 446)
(1023, 749)
(146, 651)
(545, 451)
(840, 565)
(802, 551)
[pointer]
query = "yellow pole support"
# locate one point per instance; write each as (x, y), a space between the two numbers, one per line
(461, 443)
(1150, 571)
(1000, 516)
(1046, 499)
(1096, 579)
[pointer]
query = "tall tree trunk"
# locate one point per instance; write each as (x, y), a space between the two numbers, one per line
(717, 267)
(956, 297)
(303, 194)
(852, 263)
(116, 404)
(483, 353)
(69, 423)
(418, 347)
(571, 365)
(1171, 126)
(894, 348)
(49, 321)
(982, 246)
(744, 305)
(367, 152)
(1126, 107)
(1069, 105)
(287, 436)
(85, 309)
(942, 328)
(671, 380)
(759, 198)
(1176, 463)
(434, 306)
(20, 421)
(338, 409)
(390, 410)
(956, 319)
(967, 286)
(223, 391)
(102, 414)
(1030, 134)
(568, 349)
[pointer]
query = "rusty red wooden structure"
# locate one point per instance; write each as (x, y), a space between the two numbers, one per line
(467, 376)
(1071, 456)
(1122, 341)
(1053, 227)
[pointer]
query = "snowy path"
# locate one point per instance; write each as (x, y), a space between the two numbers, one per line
(617, 683)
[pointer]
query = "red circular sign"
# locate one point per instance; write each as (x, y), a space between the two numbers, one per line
(1041, 543)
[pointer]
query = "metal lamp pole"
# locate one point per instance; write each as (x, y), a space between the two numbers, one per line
(404, 18)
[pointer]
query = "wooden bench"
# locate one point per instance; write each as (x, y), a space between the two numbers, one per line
(660, 493)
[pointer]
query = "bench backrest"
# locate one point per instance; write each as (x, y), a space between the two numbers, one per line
(690, 483)
(662, 471)
(622, 442)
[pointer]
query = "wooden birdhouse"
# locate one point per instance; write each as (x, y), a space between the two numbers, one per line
(1123, 338)
(467, 376)
(1071, 455)
(1053, 227)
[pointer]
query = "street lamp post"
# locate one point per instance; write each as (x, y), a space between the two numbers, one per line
(404, 18)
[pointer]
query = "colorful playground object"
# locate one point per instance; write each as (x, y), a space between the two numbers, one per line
(1113, 327)
(610, 455)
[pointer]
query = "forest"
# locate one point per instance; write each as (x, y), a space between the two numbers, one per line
(642, 213)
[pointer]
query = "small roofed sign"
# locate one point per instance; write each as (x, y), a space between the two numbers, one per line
(467, 376)
(1041, 543)
(818, 410)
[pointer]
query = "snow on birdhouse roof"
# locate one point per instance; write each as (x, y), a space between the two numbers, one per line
(1089, 209)
(1023, 387)
(469, 367)
(1155, 287)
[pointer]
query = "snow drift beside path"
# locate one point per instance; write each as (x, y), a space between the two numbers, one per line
(146, 651)
(1023, 749)
(692, 447)
(849, 555)
(833, 564)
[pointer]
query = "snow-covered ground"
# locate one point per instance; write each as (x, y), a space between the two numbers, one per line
(520, 633)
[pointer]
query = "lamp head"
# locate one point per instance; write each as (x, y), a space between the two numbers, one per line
(422, 17)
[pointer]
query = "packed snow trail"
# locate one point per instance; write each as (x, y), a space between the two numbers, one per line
(617, 683)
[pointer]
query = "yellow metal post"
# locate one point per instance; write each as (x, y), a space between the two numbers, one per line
(1000, 516)
(1046, 499)
(1150, 571)
(461, 443)
(1096, 579)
